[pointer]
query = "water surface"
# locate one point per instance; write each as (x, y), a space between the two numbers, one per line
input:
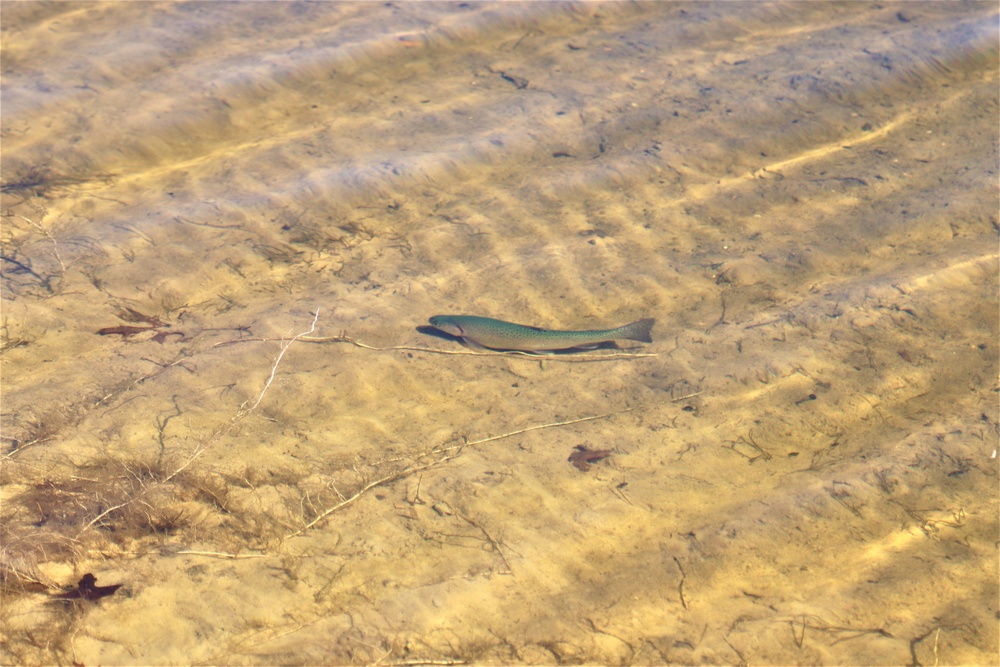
(803, 467)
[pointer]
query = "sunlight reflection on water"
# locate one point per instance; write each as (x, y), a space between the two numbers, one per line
(802, 194)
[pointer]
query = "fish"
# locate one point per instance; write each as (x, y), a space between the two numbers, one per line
(486, 332)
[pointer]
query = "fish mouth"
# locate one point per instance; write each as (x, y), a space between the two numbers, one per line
(444, 325)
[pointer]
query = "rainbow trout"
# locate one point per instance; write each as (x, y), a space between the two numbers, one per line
(500, 335)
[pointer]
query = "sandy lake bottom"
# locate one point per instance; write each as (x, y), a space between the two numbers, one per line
(225, 226)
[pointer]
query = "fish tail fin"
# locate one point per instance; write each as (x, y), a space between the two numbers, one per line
(639, 330)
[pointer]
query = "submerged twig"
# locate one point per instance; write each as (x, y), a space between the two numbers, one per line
(517, 354)
(392, 477)
(216, 554)
(448, 453)
(241, 413)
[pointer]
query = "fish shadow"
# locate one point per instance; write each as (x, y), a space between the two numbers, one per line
(443, 335)
(437, 333)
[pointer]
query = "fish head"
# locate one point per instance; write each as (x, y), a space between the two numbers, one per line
(447, 324)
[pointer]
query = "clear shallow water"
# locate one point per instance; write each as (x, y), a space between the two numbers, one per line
(803, 195)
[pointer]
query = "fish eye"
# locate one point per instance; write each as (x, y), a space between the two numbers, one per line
(445, 324)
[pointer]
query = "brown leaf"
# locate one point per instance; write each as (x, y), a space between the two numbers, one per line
(123, 330)
(162, 336)
(87, 589)
(131, 315)
(583, 457)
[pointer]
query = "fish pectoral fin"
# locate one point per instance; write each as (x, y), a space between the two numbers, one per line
(468, 342)
(603, 345)
(473, 344)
